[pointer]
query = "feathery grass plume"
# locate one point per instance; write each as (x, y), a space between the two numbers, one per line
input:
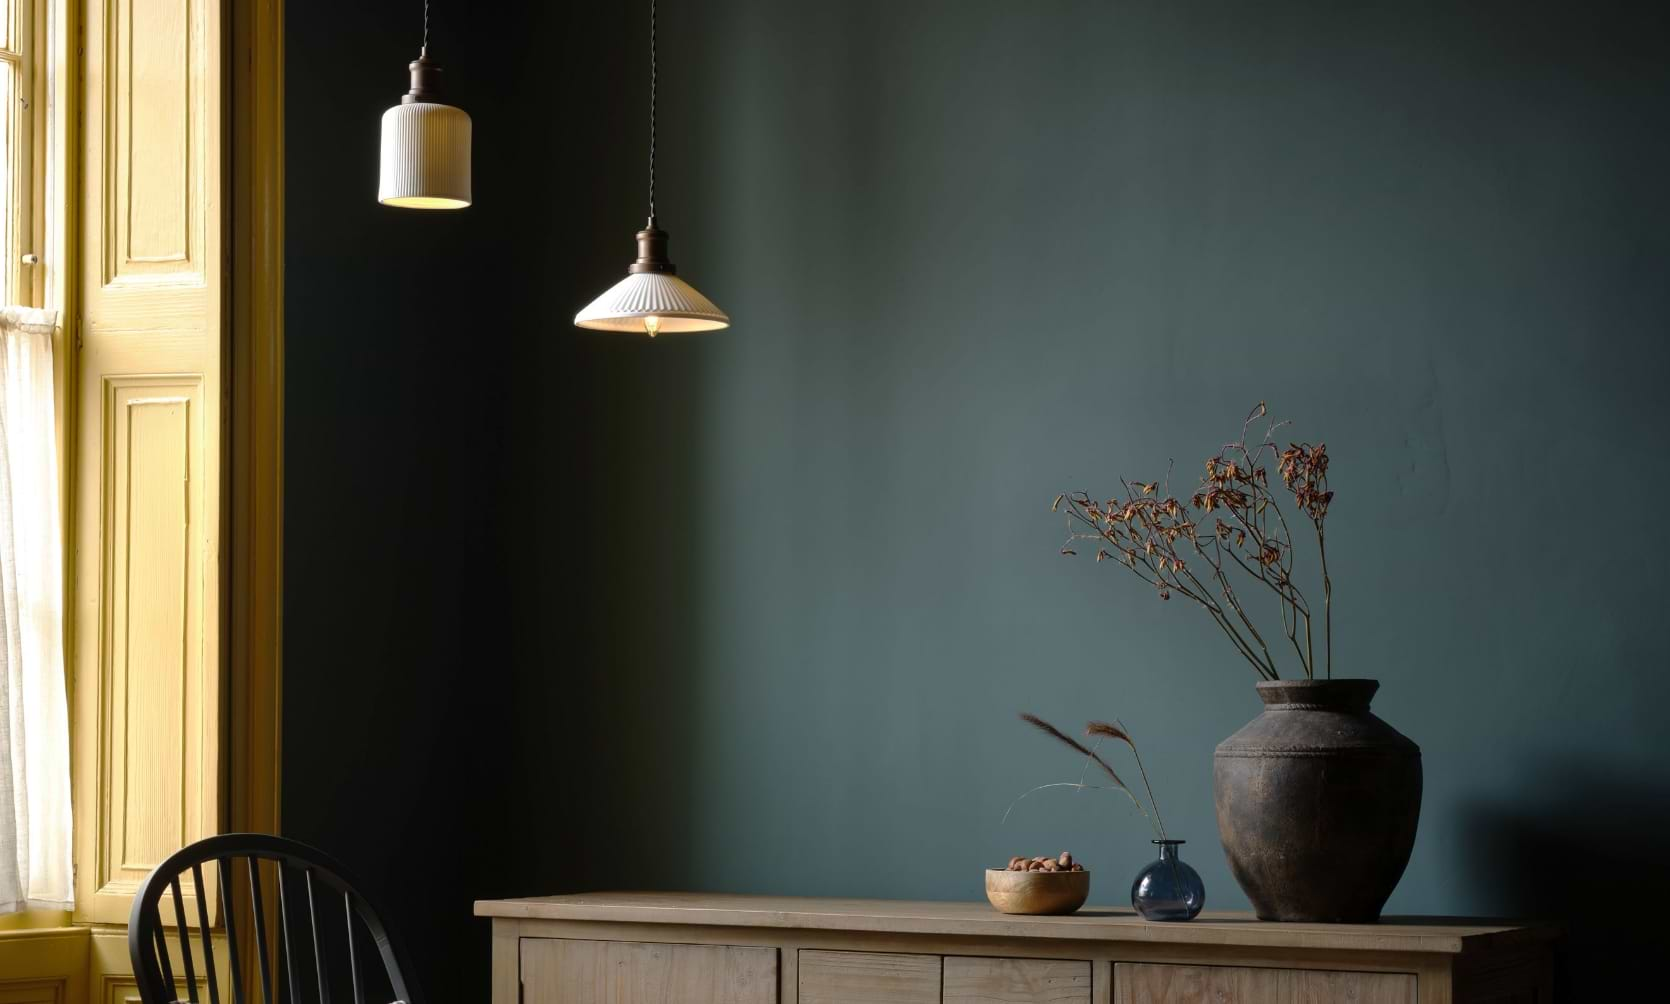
(1052, 731)
(1116, 730)
(1112, 731)
(1060, 736)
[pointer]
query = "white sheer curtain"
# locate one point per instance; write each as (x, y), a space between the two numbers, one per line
(34, 717)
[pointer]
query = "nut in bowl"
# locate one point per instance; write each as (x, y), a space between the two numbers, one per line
(1038, 885)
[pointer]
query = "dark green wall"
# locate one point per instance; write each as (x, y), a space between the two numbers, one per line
(754, 611)
(403, 332)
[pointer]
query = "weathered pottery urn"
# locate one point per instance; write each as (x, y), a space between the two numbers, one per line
(1317, 803)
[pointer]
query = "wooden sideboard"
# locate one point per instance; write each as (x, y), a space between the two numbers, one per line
(693, 948)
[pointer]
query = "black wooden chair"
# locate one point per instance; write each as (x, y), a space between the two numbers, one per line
(305, 880)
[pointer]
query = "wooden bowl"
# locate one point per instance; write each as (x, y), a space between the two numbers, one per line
(1037, 892)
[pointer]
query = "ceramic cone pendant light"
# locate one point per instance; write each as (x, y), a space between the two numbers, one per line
(652, 298)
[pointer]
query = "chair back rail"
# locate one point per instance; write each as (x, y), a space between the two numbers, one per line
(304, 880)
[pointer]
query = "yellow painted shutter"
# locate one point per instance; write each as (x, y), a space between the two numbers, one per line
(146, 591)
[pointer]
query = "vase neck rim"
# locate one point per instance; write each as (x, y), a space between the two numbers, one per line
(1317, 695)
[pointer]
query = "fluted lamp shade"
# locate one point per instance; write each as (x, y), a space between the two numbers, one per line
(426, 148)
(652, 298)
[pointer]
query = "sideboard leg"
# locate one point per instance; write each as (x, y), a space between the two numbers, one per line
(788, 968)
(1435, 983)
(507, 962)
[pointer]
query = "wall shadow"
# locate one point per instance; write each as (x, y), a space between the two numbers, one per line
(399, 543)
(1589, 858)
(601, 568)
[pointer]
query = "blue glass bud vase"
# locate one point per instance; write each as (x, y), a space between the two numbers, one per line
(1168, 889)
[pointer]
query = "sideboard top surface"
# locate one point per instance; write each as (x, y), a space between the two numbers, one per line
(1394, 934)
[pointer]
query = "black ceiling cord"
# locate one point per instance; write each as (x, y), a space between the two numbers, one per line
(652, 72)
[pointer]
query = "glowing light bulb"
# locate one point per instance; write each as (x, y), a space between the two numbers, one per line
(652, 325)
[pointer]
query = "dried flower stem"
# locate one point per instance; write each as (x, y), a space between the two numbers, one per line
(1327, 601)
(1079, 785)
(1118, 731)
(1157, 524)
(1093, 757)
(1148, 531)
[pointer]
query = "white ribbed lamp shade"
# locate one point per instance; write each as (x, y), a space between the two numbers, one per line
(652, 302)
(426, 157)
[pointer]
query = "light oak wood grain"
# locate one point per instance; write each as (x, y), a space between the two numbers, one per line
(868, 978)
(980, 920)
(597, 972)
(1016, 981)
(871, 952)
(1148, 984)
(791, 939)
(1101, 982)
(506, 966)
(788, 976)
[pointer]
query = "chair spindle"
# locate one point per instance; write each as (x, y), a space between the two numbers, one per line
(203, 930)
(284, 946)
(318, 947)
(222, 867)
(151, 949)
(260, 914)
(162, 954)
(182, 929)
(353, 961)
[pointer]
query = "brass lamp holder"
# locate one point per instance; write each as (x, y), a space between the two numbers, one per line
(426, 80)
(652, 251)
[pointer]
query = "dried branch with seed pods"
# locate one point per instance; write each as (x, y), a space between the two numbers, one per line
(1247, 544)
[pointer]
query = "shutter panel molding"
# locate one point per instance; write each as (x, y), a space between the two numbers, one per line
(148, 487)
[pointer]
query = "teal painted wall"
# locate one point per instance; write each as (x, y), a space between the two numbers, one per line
(979, 253)
(755, 611)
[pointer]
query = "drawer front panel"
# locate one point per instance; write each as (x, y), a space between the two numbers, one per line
(1135, 983)
(1016, 981)
(868, 978)
(558, 971)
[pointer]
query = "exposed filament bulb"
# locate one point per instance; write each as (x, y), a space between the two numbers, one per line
(652, 325)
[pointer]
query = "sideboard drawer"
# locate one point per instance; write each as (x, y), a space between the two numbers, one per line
(560, 971)
(1016, 981)
(1135, 983)
(868, 978)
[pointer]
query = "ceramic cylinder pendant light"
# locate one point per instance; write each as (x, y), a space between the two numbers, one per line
(652, 298)
(426, 143)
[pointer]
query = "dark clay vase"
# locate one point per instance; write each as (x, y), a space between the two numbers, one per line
(1317, 803)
